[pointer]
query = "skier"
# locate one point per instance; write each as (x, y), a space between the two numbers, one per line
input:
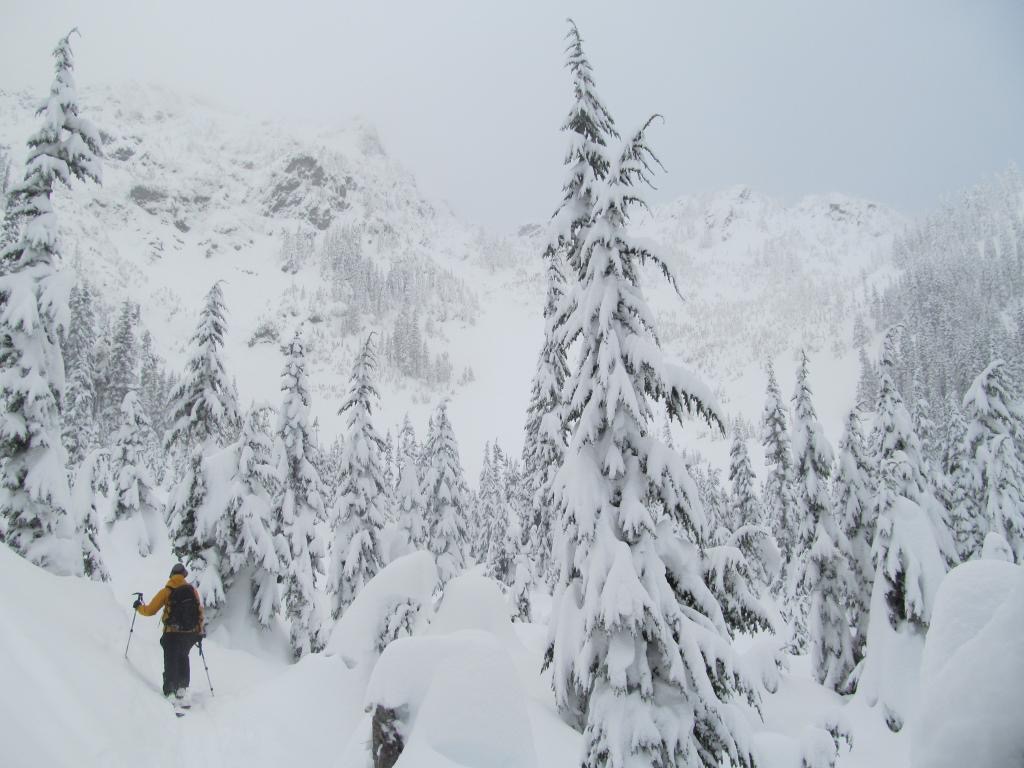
(183, 627)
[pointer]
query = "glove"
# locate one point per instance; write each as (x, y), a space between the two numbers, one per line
(137, 603)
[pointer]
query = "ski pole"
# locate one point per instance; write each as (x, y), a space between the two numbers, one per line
(203, 657)
(138, 596)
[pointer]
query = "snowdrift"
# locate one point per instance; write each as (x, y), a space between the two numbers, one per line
(972, 710)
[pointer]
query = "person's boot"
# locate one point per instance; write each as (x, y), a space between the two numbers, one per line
(183, 699)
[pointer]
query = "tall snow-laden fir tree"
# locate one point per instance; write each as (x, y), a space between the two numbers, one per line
(823, 551)
(853, 504)
(34, 494)
(778, 495)
(650, 679)
(406, 442)
(994, 450)
(204, 419)
(299, 504)
(749, 531)
(204, 405)
(956, 491)
(924, 426)
(867, 383)
(746, 509)
(361, 505)
(122, 373)
(497, 518)
(134, 487)
(589, 128)
(8, 224)
(409, 506)
(255, 550)
(446, 497)
(912, 548)
(388, 462)
(80, 431)
(485, 505)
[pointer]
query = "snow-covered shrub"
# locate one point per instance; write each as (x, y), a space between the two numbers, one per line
(389, 606)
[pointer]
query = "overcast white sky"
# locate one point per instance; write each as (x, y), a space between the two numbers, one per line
(902, 102)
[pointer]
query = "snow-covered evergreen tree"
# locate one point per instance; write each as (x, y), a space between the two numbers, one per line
(406, 442)
(80, 431)
(994, 447)
(924, 425)
(34, 493)
(446, 497)
(361, 505)
(745, 507)
(409, 506)
(749, 529)
(912, 548)
(867, 383)
(90, 482)
(255, 551)
(957, 489)
(853, 503)
(499, 550)
(649, 679)
(812, 465)
(299, 504)
(823, 551)
(484, 507)
(589, 128)
(389, 463)
(134, 487)
(204, 419)
(778, 493)
(122, 367)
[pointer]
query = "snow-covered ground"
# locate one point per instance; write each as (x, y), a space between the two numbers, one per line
(468, 680)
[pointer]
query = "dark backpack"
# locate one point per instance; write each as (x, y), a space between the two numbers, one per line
(183, 609)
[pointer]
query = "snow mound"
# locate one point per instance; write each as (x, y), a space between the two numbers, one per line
(474, 602)
(405, 586)
(447, 717)
(972, 669)
(996, 548)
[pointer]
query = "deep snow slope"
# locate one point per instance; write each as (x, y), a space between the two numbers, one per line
(193, 194)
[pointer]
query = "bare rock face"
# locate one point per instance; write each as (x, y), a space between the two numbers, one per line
(304, 189)
(387, 738)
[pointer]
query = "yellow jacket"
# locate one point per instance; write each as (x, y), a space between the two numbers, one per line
(160, 601)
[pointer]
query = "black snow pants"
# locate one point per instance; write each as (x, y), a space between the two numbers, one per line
(176, 646)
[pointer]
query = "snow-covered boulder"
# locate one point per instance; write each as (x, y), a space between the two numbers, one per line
(972, 706)
(391, 604)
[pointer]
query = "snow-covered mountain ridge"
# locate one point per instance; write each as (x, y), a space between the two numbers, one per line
(194, 194)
